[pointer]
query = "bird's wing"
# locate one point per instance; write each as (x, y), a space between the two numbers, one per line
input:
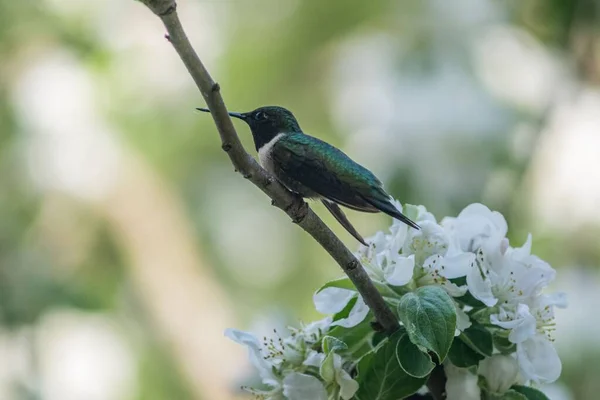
(333, 175)
(325, 170)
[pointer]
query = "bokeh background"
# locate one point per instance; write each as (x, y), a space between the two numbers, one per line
(127, 242)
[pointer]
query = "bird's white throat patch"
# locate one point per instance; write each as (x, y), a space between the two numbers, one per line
(265, 150)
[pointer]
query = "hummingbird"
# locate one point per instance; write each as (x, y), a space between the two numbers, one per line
(314, 169)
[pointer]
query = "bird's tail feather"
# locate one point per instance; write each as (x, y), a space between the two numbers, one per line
(339, 215)
(387, 207)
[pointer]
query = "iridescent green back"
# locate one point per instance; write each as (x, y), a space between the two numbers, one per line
(326, 170)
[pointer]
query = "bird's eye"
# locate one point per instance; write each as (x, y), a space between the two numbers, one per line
(260, 116)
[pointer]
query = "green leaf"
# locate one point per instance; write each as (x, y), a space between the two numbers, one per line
(460, 281)
(481, 314)
(358, 338)
(508, 395)
(380, 376)
(412, 360)
(479, 339)
(530, 393)
(462, 355)
(327, 369)
(342, 283)
(429, 316)
(331, 343)
(379, 337)
(346, 310)
(504, 345)
(482, 383)
(346, 283)
(516, 392)
(513, 395)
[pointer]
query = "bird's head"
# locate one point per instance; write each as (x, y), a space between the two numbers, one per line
(267, 122)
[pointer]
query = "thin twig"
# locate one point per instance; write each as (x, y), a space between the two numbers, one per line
(246, 165)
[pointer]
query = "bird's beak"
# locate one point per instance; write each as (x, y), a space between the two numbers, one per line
(233, 114)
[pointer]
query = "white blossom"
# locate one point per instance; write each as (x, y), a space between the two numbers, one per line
(282, 363)
(508, 277)
(543, 311)
(438, 270)
(428, 256)
(538, 359)
(520, 322)
(476, 226)
(383, 259)
(469, 257)
(429, 240)
(511, 280)
(263, 364)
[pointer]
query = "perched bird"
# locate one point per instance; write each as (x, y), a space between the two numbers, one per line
(315, 169)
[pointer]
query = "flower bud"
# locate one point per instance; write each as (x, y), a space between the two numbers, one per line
(500, 372)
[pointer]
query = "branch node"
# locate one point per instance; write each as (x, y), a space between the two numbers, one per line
(247, 175)
(352, 265)
(170, 10)
(226, 147)
(300, 212)
(273, 203)
(269, 181)
(215, 87)
(168, 37)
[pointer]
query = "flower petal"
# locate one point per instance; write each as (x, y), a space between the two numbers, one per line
(476, 224)
(462, 320)
(254, 353)
(538, 360)
(400, 270)
(558, 299)
(453, 290)
(522, 323)
(317, 328)
(457, 265)
(298, 386)
(376, 242)
(314, 359)
(525, 250)
(332, 300)
(480, 287)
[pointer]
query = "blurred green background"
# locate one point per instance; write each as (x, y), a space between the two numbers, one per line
(127, 242)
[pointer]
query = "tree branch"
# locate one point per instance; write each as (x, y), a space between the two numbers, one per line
(245, 164)
(292, 205)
